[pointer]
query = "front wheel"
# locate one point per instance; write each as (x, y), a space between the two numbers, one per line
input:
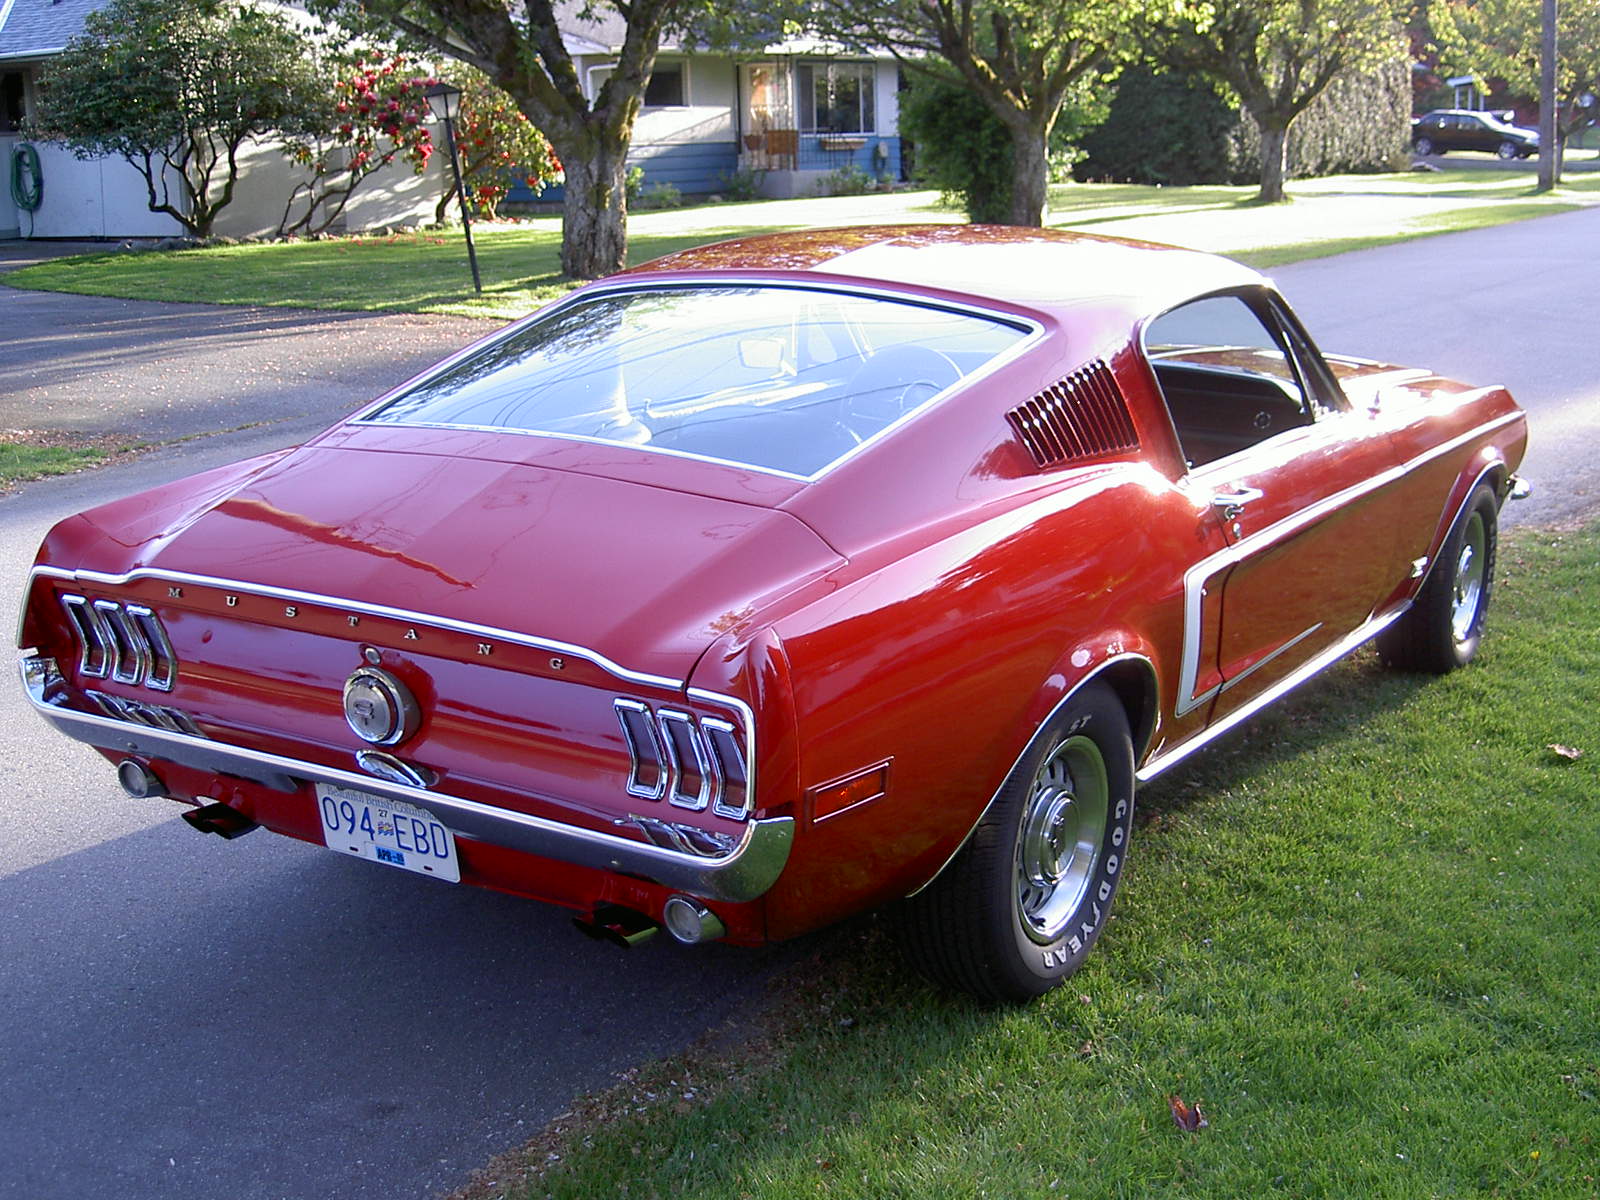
(1019, 907)
(1442, 628)
(1508, 151)
(1424, 146)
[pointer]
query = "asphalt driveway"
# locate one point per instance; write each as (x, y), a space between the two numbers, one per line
(156, 372)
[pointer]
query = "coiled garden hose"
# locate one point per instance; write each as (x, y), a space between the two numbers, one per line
(27, 180)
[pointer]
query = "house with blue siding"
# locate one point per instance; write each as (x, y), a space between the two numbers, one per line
(792, 113)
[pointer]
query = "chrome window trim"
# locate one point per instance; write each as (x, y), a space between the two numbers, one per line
(1201, 573)
(1031, 328)
(741, 873)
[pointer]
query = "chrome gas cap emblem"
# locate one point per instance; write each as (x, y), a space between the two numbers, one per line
(379, 707)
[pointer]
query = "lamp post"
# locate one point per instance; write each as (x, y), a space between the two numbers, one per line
(444, 102)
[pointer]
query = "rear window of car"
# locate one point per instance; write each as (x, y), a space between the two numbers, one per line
(783, 379)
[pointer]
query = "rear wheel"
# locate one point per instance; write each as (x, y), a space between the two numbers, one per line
(1018, 909)
(1444, 625)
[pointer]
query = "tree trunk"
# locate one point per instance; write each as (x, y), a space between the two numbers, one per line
(1274, 152)
(1030, 176)
(594, 229)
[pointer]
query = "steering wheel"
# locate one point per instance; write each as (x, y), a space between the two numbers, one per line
(893, 382)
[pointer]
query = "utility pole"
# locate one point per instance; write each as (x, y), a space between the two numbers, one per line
(1549, 149)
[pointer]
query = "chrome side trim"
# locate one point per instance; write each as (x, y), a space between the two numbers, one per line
(1261, 662)
(1338, 650)
(743, 873)
(1198, 576)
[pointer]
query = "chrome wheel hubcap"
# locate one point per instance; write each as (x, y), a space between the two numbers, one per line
(1059, 843)
(1467, 595)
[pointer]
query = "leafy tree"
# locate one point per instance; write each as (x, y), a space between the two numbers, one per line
(964, 150)
(176, 87)
(1277, 56)
(374, 113)
(496, 144)
(1501, 40)
(519, 46)
(1020, 58)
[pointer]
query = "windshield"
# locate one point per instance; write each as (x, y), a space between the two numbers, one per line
(782, 379)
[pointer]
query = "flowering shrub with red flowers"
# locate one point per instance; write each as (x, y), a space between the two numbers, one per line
(497, 145)
(377, 112)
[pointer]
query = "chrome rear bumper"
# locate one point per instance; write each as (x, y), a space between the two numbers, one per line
(740, 873)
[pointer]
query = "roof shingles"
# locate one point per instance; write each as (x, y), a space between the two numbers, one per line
(37, 28)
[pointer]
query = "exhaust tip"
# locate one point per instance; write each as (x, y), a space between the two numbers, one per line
(618, 925)
(139, 781)
(691, 922)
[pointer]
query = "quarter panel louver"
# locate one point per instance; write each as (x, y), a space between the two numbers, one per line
(1082, 416)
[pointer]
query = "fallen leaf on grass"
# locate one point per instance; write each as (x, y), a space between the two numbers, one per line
(1568, 752)
(1186, 1117)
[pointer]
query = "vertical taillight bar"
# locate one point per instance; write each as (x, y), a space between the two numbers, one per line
(94, 655)
(647, 776)
(693, 777)
(733, 798)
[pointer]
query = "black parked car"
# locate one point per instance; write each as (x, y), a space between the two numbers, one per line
(1463, 129)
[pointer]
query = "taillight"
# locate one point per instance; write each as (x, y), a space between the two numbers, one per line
(694, 763)
(123, 642)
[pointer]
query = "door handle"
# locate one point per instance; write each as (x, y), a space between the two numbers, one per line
(1231, 504)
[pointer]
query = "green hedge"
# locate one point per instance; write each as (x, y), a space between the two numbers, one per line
(1170, 129)
(1361, 124)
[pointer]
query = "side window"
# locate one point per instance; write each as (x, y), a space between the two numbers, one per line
(1229, 379)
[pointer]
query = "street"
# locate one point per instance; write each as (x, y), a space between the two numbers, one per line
(188, 1018)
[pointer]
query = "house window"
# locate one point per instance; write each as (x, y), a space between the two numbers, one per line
(665, 89)
(836, 97)
(12, 106)
(667, 86)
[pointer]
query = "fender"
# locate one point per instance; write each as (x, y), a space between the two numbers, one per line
(1117, 668)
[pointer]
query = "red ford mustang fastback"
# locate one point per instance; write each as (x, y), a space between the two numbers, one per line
(784, 578)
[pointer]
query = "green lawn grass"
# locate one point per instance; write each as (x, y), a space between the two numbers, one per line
(520, 264)
(1363, 936)
(20, 462)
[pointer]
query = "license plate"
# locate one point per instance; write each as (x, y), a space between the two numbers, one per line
(387, 831)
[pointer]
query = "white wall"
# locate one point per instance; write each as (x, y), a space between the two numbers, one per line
(709, 85)
(94, 198)
(9, 226)
(393, 196)
(106, 197)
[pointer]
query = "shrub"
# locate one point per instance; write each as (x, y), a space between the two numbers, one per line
(963, 149)
(848, 180)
